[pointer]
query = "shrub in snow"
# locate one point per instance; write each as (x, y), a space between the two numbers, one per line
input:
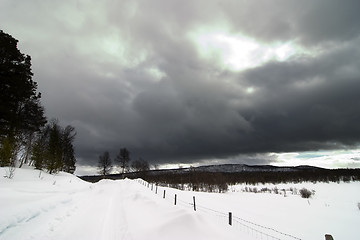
(223, 187)
(305, 193)
(293, 191)
(10, 173)
(359, 205)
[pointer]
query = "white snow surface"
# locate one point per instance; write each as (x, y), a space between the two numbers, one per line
(37, 205)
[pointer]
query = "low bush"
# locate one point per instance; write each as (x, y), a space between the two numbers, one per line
(305, 193)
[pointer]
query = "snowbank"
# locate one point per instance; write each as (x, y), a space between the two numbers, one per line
(36, 205)
(41, 206)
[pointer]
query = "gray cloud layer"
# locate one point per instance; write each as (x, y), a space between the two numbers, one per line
(95, 62)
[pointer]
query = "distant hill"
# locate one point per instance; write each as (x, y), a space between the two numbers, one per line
(228, 169)
(236, 168)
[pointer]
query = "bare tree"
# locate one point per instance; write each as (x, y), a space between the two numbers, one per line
(124, 158)
(104, 164)
(140, 165)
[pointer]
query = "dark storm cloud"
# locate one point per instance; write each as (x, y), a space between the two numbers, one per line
(308, 103)
(310, 22)
(125, 74)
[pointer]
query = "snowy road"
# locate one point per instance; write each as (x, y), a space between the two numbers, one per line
(64, 207)
(35, 205)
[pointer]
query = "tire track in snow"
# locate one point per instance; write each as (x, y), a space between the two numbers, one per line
(114, 223)
(25, 215)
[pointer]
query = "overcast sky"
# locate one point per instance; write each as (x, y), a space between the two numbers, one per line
(198, 82)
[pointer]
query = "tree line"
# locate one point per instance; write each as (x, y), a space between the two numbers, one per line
(53, 149)
(105, 164)
(26, 137)
(218, 181)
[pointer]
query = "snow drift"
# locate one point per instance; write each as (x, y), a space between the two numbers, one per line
(36, 205)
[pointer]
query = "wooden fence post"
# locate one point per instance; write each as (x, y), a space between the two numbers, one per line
(328, 237)
(175, 200)
(156, 190)
(164, 193)
(230, 218)
(194, 203)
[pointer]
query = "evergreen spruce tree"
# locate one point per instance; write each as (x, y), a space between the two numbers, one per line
(20, 110)
(53, 148)
(68, 136)
(6, 151)
(54, 151)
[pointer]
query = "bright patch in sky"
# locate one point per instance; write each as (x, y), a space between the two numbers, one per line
(325, 159)
(237, 52)
(250, 90)
(112, 48)
(156, 73)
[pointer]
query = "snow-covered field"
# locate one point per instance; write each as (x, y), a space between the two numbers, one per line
(36, 205)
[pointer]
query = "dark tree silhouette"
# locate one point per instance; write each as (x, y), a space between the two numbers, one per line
(140, 165)
(54, 153)
(21, 113)
(124, 158)
(104, 164)
(53, 149)
(69, 160)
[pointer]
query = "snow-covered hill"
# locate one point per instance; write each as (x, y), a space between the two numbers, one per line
(36, 205)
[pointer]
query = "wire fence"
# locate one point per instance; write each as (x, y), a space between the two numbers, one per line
(256, 230)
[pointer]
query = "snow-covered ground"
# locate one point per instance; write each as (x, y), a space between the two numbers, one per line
(36, 205)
